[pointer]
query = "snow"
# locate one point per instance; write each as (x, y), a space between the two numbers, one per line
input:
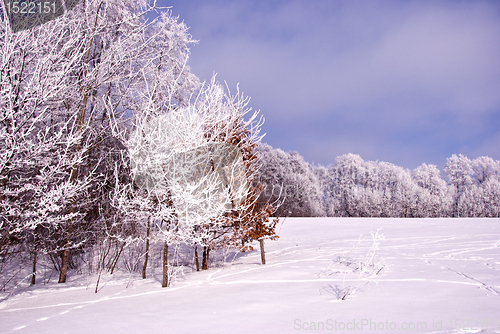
(442, 273)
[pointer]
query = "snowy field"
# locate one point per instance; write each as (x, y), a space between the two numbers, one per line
(414, 275)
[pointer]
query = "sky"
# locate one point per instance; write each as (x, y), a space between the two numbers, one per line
(407, 82)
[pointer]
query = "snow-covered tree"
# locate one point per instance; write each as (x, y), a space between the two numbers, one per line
(347, 174)
(325, 184)
(491, 198)
(481, 198)
(250, 219)
(65, 87)
(290, 181)
(458, 170)
(42, 139)
(190, 162)
(432, 196)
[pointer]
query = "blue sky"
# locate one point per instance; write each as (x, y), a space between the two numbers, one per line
(406, 82)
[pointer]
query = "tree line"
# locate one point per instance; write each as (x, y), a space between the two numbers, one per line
(353, 187)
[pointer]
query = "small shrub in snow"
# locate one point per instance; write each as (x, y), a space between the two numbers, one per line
(357, 265)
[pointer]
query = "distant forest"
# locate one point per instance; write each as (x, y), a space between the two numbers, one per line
(353, 187)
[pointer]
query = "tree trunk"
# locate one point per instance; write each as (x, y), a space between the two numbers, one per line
(165, 266)
(33, 276)
(99, 269)
(196, 257)
(206, 251)
(117, 258)
(147, 252)
(64, 265)
(65, 255)
(262, 252)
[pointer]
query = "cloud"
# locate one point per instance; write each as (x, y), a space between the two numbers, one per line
(415, 70)
(445, 54)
